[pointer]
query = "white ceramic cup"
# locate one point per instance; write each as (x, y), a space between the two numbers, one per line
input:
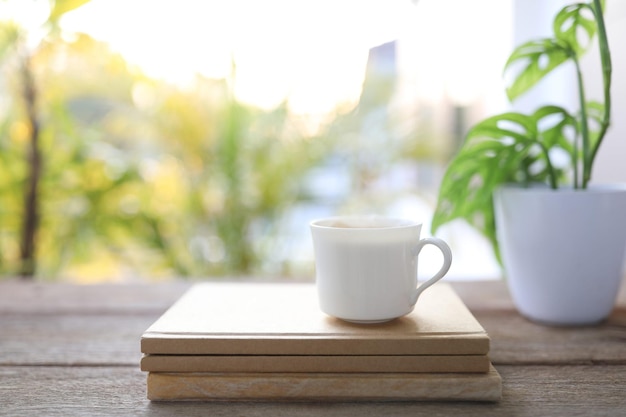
(366, 267)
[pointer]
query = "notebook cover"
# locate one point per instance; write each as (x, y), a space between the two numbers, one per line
(284, 319)
(324, 387)
(308, 363)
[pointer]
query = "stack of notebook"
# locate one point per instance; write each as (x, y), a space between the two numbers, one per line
(244, 341)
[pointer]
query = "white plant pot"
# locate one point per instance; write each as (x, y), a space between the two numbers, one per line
(562, 250)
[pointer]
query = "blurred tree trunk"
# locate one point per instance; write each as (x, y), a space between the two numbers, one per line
(31, 190)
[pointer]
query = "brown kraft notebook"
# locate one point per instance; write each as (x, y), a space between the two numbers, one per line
(308, 363)
(284, 319)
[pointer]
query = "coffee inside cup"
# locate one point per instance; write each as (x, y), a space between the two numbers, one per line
(363, 223)
(344, 225)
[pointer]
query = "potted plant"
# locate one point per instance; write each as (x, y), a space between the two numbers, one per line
(523, 180)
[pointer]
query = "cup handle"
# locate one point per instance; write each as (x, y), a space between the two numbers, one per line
(447, 261)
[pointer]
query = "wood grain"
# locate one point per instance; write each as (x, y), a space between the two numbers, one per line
(96, 391)
(17, 296)
(97, 339)
(515, 340)
(72, 339)
(69, 350)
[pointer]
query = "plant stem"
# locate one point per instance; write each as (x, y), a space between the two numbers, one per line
(605, 59)
(576, 161)
(551, 173)
(584, 126)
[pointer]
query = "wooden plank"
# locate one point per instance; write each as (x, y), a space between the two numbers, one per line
(71, 391)
(71, 339)
(99, 336)
(494, 295)
(25, 297)
(37, 297)
(94, 391)
(515, 340)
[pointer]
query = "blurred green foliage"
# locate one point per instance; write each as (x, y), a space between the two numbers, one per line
(138, 175)
(142, 178)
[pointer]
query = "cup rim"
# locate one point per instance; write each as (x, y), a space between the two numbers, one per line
(389, 222)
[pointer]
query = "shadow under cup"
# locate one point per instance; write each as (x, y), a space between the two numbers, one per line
(366, 267)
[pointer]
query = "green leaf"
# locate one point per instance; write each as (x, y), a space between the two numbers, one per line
(552, 123)
(572, 26)
(60, 7)
(467, 188)
(515, 126)
(510, 147)
(487, 158)
(532, 61)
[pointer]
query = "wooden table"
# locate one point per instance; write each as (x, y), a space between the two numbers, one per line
(74, 350)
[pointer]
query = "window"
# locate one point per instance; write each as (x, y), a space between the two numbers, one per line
(199, 138)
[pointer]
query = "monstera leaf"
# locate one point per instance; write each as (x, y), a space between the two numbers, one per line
(509, 147)
(574, 28)
(531, 62)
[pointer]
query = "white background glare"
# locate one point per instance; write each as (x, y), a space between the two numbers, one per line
(312, 52)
